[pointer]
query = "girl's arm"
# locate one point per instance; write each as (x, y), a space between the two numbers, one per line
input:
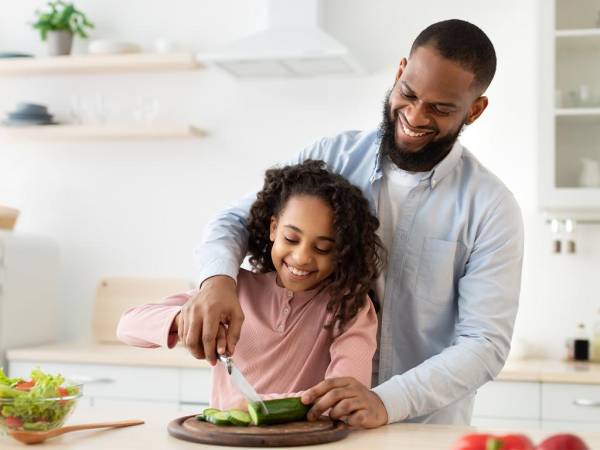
(150, 325)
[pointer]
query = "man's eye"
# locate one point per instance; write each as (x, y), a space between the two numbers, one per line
(408, 96)
(442, 110)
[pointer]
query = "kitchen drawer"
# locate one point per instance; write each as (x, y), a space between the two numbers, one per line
(509, 400)
(195, 386)
(571, 402)
(111, 381)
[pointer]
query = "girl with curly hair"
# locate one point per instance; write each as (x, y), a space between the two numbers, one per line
(315, 254)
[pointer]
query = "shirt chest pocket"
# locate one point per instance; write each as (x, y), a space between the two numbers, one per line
(435, 277)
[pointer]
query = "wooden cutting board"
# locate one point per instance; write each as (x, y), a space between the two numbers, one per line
(283, 435)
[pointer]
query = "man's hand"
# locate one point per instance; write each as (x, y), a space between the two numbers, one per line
(348, 399)
(213, 316)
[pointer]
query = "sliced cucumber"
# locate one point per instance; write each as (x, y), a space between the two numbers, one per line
(239, 417)
(209, 411)
(278, 411)
(219, 418)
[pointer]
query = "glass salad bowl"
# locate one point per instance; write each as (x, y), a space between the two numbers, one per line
(41, 402)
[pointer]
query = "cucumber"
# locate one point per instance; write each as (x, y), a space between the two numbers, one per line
(219, 418)
(279, 411)
(205, 413)
(239, 417)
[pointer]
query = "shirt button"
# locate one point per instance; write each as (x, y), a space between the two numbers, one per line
(290, 294)
(286, 310)
(280, 327)
(433, 183)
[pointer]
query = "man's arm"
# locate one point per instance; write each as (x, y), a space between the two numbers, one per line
(488, 296)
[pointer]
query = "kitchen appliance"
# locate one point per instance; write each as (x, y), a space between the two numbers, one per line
(28, 298)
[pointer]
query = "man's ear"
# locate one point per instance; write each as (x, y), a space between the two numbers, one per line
(401, 68)
(477, 108)
(273, 228)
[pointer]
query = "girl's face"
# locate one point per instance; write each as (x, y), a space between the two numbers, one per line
(303, 242)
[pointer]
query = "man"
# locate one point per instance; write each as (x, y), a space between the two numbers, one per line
(452, 230)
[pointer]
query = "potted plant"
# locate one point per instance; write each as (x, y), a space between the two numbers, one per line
(59, 24)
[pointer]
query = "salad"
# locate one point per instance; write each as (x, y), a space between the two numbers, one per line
(40, 403)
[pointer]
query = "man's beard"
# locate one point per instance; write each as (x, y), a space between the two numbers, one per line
(420, 160)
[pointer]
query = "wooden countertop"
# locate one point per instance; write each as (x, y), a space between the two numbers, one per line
(153, 435)
(534, 370)
(550, 371)
(119, 354)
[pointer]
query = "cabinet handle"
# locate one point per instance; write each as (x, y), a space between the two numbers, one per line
(587, 403)
(90, 380)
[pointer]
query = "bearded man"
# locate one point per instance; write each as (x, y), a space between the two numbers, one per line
(453, 232)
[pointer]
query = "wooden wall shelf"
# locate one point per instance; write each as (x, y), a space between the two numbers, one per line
(90, 64)
(66, 133)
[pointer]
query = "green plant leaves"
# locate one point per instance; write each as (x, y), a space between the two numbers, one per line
(62, 17)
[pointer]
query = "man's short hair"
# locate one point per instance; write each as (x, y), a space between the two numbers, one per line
(463, 43)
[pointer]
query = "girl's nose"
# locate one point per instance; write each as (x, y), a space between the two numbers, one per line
(302, 256)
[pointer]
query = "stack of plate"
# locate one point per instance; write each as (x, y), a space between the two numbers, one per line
(29, 114)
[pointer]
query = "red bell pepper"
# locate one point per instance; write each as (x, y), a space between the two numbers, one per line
(562, 442)
(478, 441)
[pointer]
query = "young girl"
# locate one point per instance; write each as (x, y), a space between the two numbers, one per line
(315, 253)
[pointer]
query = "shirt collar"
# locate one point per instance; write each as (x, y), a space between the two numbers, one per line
(299, 298)
(441, 169)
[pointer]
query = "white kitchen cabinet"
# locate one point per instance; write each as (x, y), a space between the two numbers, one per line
(179, 386)
(508, 400)
(569, 105)
(571, 402)
(543, 405)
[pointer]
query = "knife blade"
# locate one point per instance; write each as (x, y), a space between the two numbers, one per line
(240, 382)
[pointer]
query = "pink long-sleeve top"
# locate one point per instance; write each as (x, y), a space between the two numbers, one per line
(283, 346)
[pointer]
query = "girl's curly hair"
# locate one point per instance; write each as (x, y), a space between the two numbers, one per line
(358, 253)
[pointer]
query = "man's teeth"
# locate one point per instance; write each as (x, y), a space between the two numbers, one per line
(410, 133)
(298, 271)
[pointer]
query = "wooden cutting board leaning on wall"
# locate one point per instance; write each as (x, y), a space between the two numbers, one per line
(114, 295)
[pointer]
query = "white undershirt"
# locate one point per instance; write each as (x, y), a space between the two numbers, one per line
(395, 186)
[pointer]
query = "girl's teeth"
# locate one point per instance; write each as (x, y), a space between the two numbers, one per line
(297, 271)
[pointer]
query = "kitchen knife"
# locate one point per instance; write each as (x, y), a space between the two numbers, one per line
(241, 384)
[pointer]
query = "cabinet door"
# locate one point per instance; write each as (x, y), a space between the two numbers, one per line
(195, 386)
(111, 381)
(508, 400)
(571, 402)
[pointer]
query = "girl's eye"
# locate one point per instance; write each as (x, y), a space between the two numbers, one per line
(323, 251)
(291, 241)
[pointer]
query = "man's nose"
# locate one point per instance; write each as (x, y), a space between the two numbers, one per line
(416, 115)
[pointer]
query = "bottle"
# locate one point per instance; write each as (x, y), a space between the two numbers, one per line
(595, 345)
(581, 344)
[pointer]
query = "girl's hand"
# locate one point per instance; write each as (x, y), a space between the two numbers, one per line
(348, 399)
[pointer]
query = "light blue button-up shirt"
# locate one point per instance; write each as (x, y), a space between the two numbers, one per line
(452, 279)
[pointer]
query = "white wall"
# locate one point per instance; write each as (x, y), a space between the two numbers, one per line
(138, 208)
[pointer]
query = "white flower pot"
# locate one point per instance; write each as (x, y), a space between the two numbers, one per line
(59, 42)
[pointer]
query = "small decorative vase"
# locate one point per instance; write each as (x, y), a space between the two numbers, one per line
(59, 42)
(590, 173)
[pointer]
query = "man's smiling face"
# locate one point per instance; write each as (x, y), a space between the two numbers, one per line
(432, 99)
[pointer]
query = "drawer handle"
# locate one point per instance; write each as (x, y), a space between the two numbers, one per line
(89, 380)
(586, 403)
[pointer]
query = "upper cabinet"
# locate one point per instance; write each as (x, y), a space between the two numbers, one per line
(569, 92)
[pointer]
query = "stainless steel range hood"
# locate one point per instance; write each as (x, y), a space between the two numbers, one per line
(292, 45)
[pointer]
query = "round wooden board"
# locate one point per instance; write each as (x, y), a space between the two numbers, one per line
(283, 435)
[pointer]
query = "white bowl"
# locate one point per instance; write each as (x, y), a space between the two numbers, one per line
(109, 47)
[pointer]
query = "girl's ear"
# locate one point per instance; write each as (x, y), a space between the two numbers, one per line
(273, 228)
